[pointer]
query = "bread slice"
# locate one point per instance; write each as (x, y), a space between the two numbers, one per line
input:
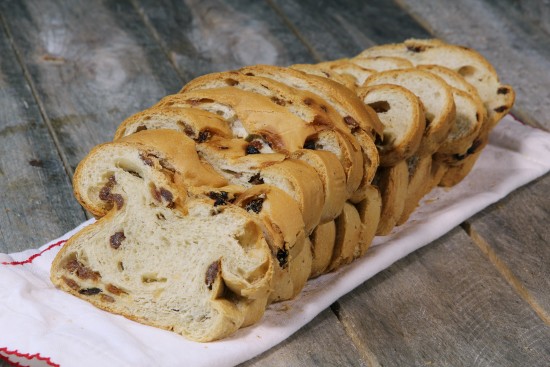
(342, 71)
(468, 122)
(470, 113)
(346, 244)
(168, 151)
(283, 131)
(284, 231)
(452, 78)
(420, 183)
(332, 177)
(293, 176)
(382, 63)
(403, 117)
(436, 97)
(195, 123)
(393, 183)
(369, 210)
(163, 259)
(322, 245)
(325, 70)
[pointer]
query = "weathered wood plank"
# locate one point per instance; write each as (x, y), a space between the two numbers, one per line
(518, 48)
(517, 230)
(206, 36)
(445, 305)
(322, 342)
(337, 29)
(34, 185)
(92, 65)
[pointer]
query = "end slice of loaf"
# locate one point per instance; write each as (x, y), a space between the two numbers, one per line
(166, 260)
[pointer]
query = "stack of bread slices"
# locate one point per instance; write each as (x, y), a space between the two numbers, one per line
(231, 194)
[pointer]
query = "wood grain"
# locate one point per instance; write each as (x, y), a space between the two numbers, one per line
(92, 64)
(34, 185)
(338, 29)
(517, 47)
(517, 231)
(202, 37)
(445, 305)
(322, 342)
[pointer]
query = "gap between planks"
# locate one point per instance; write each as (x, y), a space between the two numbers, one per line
(505, 271)
(316, 56)
(28, 78)
(151, 28)
(366, 354)
(66, 166)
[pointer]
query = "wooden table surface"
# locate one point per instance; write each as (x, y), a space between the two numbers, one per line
(70, 72)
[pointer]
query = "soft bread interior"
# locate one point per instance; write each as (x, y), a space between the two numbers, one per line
(193, 270)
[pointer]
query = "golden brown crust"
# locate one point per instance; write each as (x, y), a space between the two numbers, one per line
(393, 183)
(339, 94)
(332, 176)
(369, 210)
(436, 97)
(192, 122)
(322, 243)
(403, 117)
(346, 244)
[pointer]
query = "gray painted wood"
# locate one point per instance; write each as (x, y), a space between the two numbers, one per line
(92, 64)
(517, 230)
(322, 342)
(517, 47)
(35, 189)
(445, 305)
(201, 37)
(338, 29)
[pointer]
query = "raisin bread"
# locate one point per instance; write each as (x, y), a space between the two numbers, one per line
(229, 195)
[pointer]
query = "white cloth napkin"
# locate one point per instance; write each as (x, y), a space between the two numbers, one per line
(40, 325)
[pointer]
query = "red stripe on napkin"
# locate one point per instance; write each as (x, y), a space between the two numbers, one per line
(27, 356)
(30, 259)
